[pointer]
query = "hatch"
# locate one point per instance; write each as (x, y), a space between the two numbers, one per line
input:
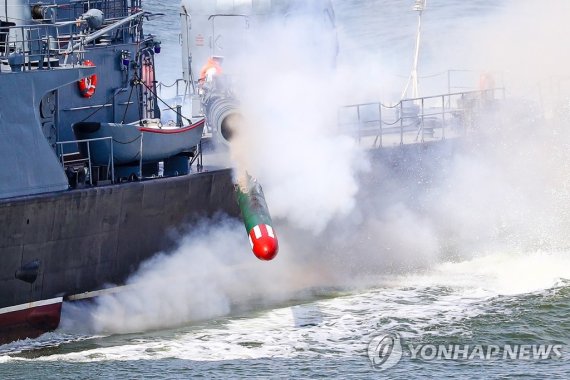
(229, 33)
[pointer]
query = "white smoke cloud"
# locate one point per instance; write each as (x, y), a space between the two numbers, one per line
(290, 96)
(342, 220)
(210, 274)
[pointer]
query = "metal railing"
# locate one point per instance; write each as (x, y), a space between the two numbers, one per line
(112, 10)
(37, 45)
(88, 159)
(40, 46)
(415, 120)
(62, 33)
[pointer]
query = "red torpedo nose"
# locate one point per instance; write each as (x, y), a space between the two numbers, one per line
(263, 241)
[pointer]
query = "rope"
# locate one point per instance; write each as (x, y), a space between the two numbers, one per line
(391, 107)
(112, 97)
(164, 102)
(425, 76)
(390, 124)
(128, 142)
(162, 84)
(136, 81)
(128, 104)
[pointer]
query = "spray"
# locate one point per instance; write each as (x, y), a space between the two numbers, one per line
(344, 220)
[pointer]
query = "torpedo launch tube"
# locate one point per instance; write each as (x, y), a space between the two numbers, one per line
(224, 119)
(221, 108)
(257, 220)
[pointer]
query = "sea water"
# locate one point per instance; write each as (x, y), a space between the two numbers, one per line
(506, 287)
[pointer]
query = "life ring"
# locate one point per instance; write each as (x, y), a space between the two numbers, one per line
(88, 85)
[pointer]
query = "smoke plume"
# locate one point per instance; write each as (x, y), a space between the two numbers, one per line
(344, 216)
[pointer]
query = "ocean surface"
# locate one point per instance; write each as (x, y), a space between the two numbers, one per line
(475, 254)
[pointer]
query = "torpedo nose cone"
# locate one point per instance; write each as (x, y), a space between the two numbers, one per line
(266, 248)
(264, 243)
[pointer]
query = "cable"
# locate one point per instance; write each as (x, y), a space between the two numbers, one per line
(159, 98)
(112, 97)
(128, 142)
(169, 86)
(128, 104)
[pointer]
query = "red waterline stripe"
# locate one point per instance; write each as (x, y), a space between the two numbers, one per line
(173, 131)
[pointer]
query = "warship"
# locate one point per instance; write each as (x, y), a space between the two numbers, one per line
(94, 182)
(81, 210)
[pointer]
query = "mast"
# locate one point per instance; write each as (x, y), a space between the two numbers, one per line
(419, 7)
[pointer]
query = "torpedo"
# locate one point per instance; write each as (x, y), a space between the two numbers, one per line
(257, 220)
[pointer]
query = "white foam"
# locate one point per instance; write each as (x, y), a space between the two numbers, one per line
(341, 327)
(499, 273)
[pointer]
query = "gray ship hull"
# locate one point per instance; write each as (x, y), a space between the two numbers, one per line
(85, 240)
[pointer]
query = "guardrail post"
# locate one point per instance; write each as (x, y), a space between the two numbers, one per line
(112, 161)
(89, 160)
(443, 117)
(380, 122)
(60, 152)
(422, 121)
(359, 123)
(401, 123)
(141, 156)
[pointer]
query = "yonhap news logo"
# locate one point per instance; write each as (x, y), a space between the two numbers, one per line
(386, 350)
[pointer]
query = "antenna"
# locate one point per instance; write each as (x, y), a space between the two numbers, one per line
(419, 6)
